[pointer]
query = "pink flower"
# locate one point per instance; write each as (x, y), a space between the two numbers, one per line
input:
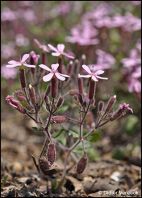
(53, 72)
(41, 46)
(59, 50)
(125, 107)
(84, 34)
(93, 75)
(8, 73)
(134, 85)
(22, 62)
(104, 59)
(8, 14)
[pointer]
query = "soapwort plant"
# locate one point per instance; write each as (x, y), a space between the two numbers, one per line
(69, 82)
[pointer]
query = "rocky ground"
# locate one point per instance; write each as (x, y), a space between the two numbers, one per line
(19, 178)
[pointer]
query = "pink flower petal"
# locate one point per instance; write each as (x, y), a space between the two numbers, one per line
(87, 69)
(38, 43)
(24, 58)
(102, 78)
(67, 55)
(61, 47)
(94, 78)
(48, 77)
(99, 72)
(84, 76)
(27, 65)
(14, 65)
(54, 66)
(65, 75)
(56, 54)
(52, 48)
(13, 62)
(58, 75)
(45, 67)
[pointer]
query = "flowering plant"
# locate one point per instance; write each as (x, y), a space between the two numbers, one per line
(43, 106)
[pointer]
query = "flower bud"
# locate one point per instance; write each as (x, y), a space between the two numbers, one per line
(110, 104)
(100, 106)
(47, 92)
(83, 59)
(80, 99)
(80, 86)
(76, 66)
(51, 153)
(81, 165)
(82, 62)
(32, 94)
(70, 68)
(91, 89)
(22, 78)
(33, 60)
(43, 58)
(20, 95)
(44, 165)
(121, 111)
(60, 68)
(58, 119)
(60, 102)
(54, 87)
(15, 103)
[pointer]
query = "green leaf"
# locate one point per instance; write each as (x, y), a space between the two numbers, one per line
(131, 123)
(96, 136)
(63, 109)
(93, 154)
(57, 134)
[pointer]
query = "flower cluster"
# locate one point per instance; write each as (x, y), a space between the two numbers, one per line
(30, 100)
(132, 69)
(102, 17)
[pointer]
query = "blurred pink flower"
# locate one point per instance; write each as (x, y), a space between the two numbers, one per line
(134, 58)
(8, 73)
(117, 21)
(22, 62)
(43, 47)
(134, 85)
(104, 59)
(132, 23)
(130, 62)
(103, 22)
(28, 15)
(8, 14)
(8, 50)
(136, 73)
(59, 50)
(101, 11)
(21, 40)
(83, 35)
(93, 75)
(61, 9)
(53, 72)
